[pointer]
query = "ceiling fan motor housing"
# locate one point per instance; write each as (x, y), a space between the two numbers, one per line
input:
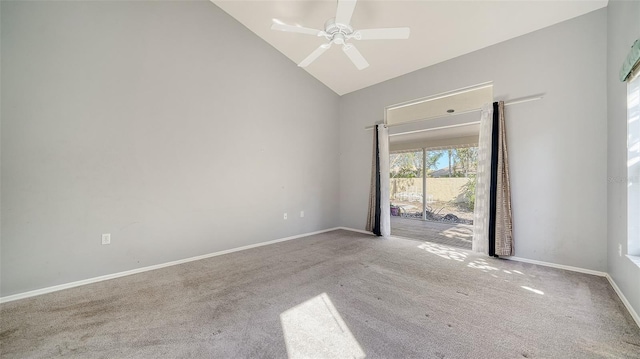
(337, 33)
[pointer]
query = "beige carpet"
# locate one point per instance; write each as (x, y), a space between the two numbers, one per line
(338, 294)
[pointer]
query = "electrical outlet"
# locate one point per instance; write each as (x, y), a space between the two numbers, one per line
(285, 215)
(106, 238)
(619, 249)
(301, 214)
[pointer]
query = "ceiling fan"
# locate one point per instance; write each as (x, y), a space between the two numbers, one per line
(338, 31)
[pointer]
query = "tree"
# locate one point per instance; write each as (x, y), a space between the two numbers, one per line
(406, 164)
(432, 159)
(467, 158)
(409, 164)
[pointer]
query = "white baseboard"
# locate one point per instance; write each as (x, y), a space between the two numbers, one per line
(624, 300)
(56, 288)
(560, 266)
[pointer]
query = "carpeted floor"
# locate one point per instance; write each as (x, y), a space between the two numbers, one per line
(337, 294)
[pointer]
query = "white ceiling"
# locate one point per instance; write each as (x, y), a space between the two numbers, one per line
(440, 30)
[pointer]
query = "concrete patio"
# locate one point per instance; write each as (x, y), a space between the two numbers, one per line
(450, 234)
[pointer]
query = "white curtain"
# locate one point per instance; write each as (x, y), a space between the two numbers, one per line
(385, 209)
(480, 241)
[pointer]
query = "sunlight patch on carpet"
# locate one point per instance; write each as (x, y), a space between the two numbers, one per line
(315, 329)
(482, 265)
(444, 251)
(532, 290)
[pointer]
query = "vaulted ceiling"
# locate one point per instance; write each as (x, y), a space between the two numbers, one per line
(440, 30)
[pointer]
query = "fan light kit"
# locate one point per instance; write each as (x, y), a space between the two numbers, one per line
(338, 31)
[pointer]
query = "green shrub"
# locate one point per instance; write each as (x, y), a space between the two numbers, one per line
(468, 192)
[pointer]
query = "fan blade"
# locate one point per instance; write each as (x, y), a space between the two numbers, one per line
(355, 56)
(383, 34)
(345, 11)
(298, 29)
(314, 55)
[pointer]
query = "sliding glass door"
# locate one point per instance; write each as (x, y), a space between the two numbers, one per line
(434, 184)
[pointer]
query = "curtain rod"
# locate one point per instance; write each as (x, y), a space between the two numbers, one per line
(512, 102)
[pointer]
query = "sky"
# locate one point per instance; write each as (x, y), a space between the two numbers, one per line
(443, 162)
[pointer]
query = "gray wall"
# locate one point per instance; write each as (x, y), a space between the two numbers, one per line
(623, 30)
(558, 150)
(151, 121)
